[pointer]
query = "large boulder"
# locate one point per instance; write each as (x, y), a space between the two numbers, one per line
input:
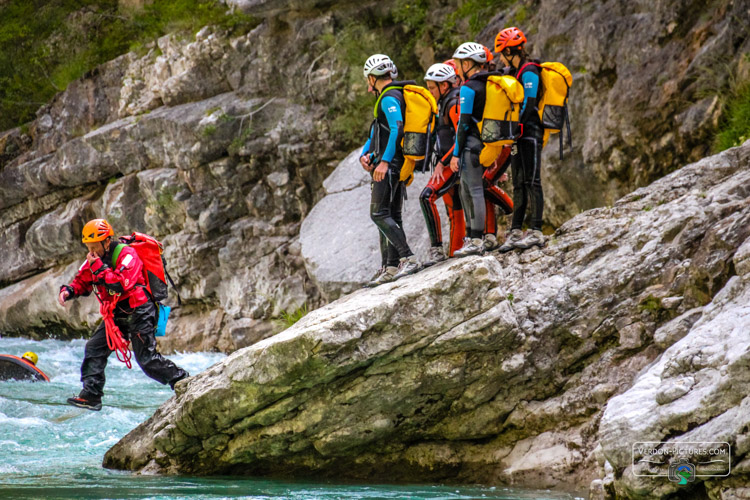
(340, 242)
(496, 368)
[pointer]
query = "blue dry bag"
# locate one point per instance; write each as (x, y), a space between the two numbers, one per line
(161, 326)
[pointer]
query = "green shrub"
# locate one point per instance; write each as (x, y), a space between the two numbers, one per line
(651, 305)
(45, 45)
(286, 319)
(479, 12)
(735, 125)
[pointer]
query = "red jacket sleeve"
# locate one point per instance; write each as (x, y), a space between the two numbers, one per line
(82, 283)
(125, 275)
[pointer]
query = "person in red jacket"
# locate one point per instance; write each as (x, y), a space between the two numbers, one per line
(121, 287)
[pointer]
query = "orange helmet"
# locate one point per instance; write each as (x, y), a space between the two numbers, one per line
(97, 230)
(451, 63)
(509, 37)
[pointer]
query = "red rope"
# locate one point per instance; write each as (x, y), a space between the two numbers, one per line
(115, 342)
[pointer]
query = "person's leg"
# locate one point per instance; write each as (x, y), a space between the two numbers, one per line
(519, 203)
(490, 219)
(534, 153)
(427, 200)
(396, 208)
(141, 332)
(530, 150)
(520, 197)
(381, 203)
(94, 363)
(455, 211)
(499, 198)
(472, 193)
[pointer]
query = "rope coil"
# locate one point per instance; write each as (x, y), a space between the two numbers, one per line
(115, 342)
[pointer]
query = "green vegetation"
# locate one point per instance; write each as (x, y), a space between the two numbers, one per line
(209, 130)
(396, 33)
(510, 298)
(479, 12)
(44, 45)
(735, 125)
(164, 202)
(239, 141)
(651, 305)
(287, 319)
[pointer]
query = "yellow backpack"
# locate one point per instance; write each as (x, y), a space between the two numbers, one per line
(502, 106)
(553, 106)
(419, 123)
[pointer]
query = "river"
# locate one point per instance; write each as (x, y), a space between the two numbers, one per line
(51, 450)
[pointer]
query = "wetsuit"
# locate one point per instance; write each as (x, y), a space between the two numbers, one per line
(447, 187)
(386, 200)
(526, 160)
(135, 316)
(467, 149)
(493, 194)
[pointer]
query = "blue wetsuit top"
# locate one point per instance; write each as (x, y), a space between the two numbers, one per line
(472, 96)
(530, 78)
(391, 109)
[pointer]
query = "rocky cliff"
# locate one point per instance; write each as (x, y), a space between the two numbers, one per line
(540, 368)
(218, 143)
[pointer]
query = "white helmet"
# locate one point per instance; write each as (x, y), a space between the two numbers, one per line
(440, 73)
(378, 65)
(474, 51)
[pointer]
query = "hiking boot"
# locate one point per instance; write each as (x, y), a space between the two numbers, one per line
(172, 383)
(533, 238)
(489, 242)
(472, 246)
(88, 402)
(511, 241)
(386, 276)
(435, 255)
(409, 265)
(373, 281)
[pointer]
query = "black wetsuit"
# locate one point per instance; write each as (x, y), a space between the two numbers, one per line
(526, 159)
(386, 201)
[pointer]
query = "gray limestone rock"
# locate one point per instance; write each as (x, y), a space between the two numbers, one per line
(340, 242)
(505, 368)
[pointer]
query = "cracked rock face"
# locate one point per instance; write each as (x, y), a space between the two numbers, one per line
(184, 146)
(536, 368)
(209, 144)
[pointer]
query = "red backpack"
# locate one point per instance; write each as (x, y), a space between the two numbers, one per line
(154, 267)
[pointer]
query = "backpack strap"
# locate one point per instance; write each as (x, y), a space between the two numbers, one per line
(116, 253)
(522, 68)
(382, 94)
(166, 273)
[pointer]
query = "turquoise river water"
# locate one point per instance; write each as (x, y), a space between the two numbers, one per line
(51, 450)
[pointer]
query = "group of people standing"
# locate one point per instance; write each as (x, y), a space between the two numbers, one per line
(468, 189)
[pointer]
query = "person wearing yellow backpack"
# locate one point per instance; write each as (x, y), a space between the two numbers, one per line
(442, 82)
(526, 155)
(471, 62)
(382, 156)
